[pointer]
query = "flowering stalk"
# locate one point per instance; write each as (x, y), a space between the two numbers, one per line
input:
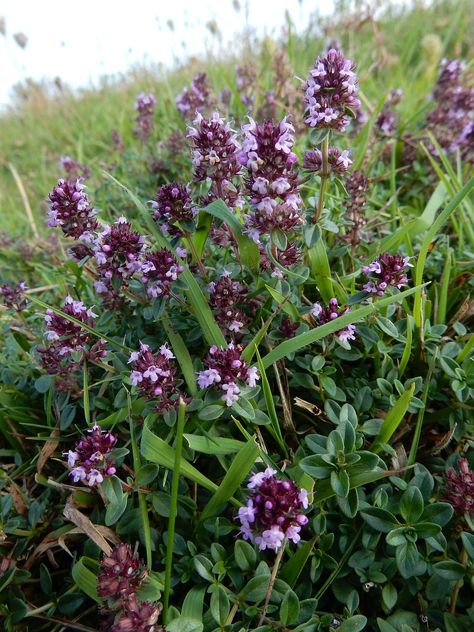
(173, 506)
(141, 495)
(276, 566)
(324, 178)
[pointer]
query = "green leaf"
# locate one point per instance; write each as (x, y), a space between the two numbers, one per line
(289, 608)
(387, 327)
(320, 269)
(308, 337)
(411, 504)
(237, 472)
(353, 624)
(248, 249)
(449, 569)
(468, 542)
(86, 578)
(407, 557)
(283, 302)
(213, 445)
(244, 555)
(255, 589)
(389, 595)
(340, 483)
(158, 451)
(219, 605)
(379, 519)
(182, 354)
(439, 513)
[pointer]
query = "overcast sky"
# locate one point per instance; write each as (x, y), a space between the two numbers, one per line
(80, 42)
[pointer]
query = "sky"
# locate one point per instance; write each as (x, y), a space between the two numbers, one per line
(80, 43)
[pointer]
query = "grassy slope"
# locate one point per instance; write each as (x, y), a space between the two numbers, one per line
(395, 53)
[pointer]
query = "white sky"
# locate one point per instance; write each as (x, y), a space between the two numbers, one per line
(80, 41)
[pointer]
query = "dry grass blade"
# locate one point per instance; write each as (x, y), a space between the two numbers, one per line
(86, 526)
(48, 449)
(24, 199)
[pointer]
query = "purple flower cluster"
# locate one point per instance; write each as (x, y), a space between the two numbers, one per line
(74, 169)
(330, 92)
(288, 328)
(386, 271)
(225, 297)
(215, 148)
(159, 270)
(13, 296)
(118, 251)
(225, 369)
(271, 180)
(338, 161)
(91, 460)
(72, 337)
(245, 82)
(120, 576)
(460, 488)
(356, 185)
(273, 511)
(196, 98)
(70, 210)
(65, 338)
(324, 315)
(387, 120)
(145, 106)
(173, 204)
(154, 375)
(286, 258)
(451, 121)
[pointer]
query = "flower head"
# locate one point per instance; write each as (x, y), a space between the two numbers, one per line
(323, 315)
(91, 460)
(71, 335)
(226, 370)
(70, 210)
(154, 375)
(330, 92)
(158, 272)
(215, 149)
(13, 296)
(73, 168)
(460, 488)
(273, 511)
(118, 251)
(145, 106)
(386, 271)
(338, 161)
(121, 574)
(225, 297)
(173, 204)
(196, 98)
(271, 180)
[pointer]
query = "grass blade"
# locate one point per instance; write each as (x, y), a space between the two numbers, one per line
(237, 472)
(158, 451)
(393, 419)
(430, 235)
(248, 249)
(182, 355)
(173, 507)
(308, 337)
(270, 404)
